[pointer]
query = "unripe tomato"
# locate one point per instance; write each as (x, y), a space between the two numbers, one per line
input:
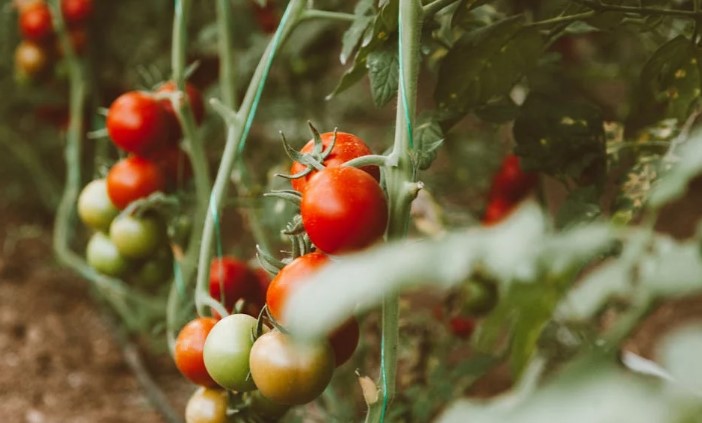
(347, 147)
(196, 103)
(189, 348)
(226, 352)
(95, 208)
(133, 178)
(137, 123)
(511, 182)
(344, 341)
(35, 21)
(231, 280)
(156, 271)
(343, 209)
(103, 256)
(289, 372)
(290, 278)
(31, 59)
(76, 11)
(137, 237)
(207, 406)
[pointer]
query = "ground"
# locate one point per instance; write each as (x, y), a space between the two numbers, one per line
(60, 361)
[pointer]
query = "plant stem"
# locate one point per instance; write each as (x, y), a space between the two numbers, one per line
(436, 6)
(399, 179)
(236, 137)
(602, 7)
(563, 19)
(227, 76)
(325, 14)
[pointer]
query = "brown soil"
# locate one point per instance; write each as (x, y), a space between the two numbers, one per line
(59, 357)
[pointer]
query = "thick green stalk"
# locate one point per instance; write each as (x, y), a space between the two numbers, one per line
(196, 154)
(236, 136)
(401, 186)
(227, 76)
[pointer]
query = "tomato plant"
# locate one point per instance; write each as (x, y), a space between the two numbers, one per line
(188, 353)
(133, 178)
(289, 372)
(207, 406)
(226, 352)
(346, 147)
(343, 209)
(137, 123)
(31, 59)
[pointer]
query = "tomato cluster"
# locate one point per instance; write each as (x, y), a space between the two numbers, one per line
(342, 209)
(39, 48)
(510, 185)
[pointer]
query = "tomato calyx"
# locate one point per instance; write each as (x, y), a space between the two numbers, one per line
(289, 195)
(312, 160)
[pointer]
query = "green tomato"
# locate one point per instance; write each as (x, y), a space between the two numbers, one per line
(263, 407)
(137, 237)
(226, 352)
(95, 208)
(103, 256)
(155, 271)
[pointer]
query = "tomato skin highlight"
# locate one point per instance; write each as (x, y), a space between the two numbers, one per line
(137, 123)
(207, 406)
(289, 372)
(232, 280)
(188, 351)
(35, 21)
(289, 278)
(133, 178)
(347, 147)
(343, 209)
(226, 352)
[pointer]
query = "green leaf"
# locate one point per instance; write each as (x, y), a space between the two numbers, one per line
(383, 71)
(669, 85)
(592, 389)
(561, 137)
(672, 269)
(374, 37)
(679, 354)
(428, 136)
(352, 37)
(581, 206)
(485, 63)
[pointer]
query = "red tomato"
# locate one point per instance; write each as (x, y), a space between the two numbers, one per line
(289, 277)
(175, 165)
(497, 209)
(78, 37)
(76, 11)
(132, 178)
(35, 21)
(196, 103)
(511, 182)
(137, 123)
(231, 280)
(266, 16)
(344, 341)
(347, 147)
(343, 209)
(188, 351)
(462, 327)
